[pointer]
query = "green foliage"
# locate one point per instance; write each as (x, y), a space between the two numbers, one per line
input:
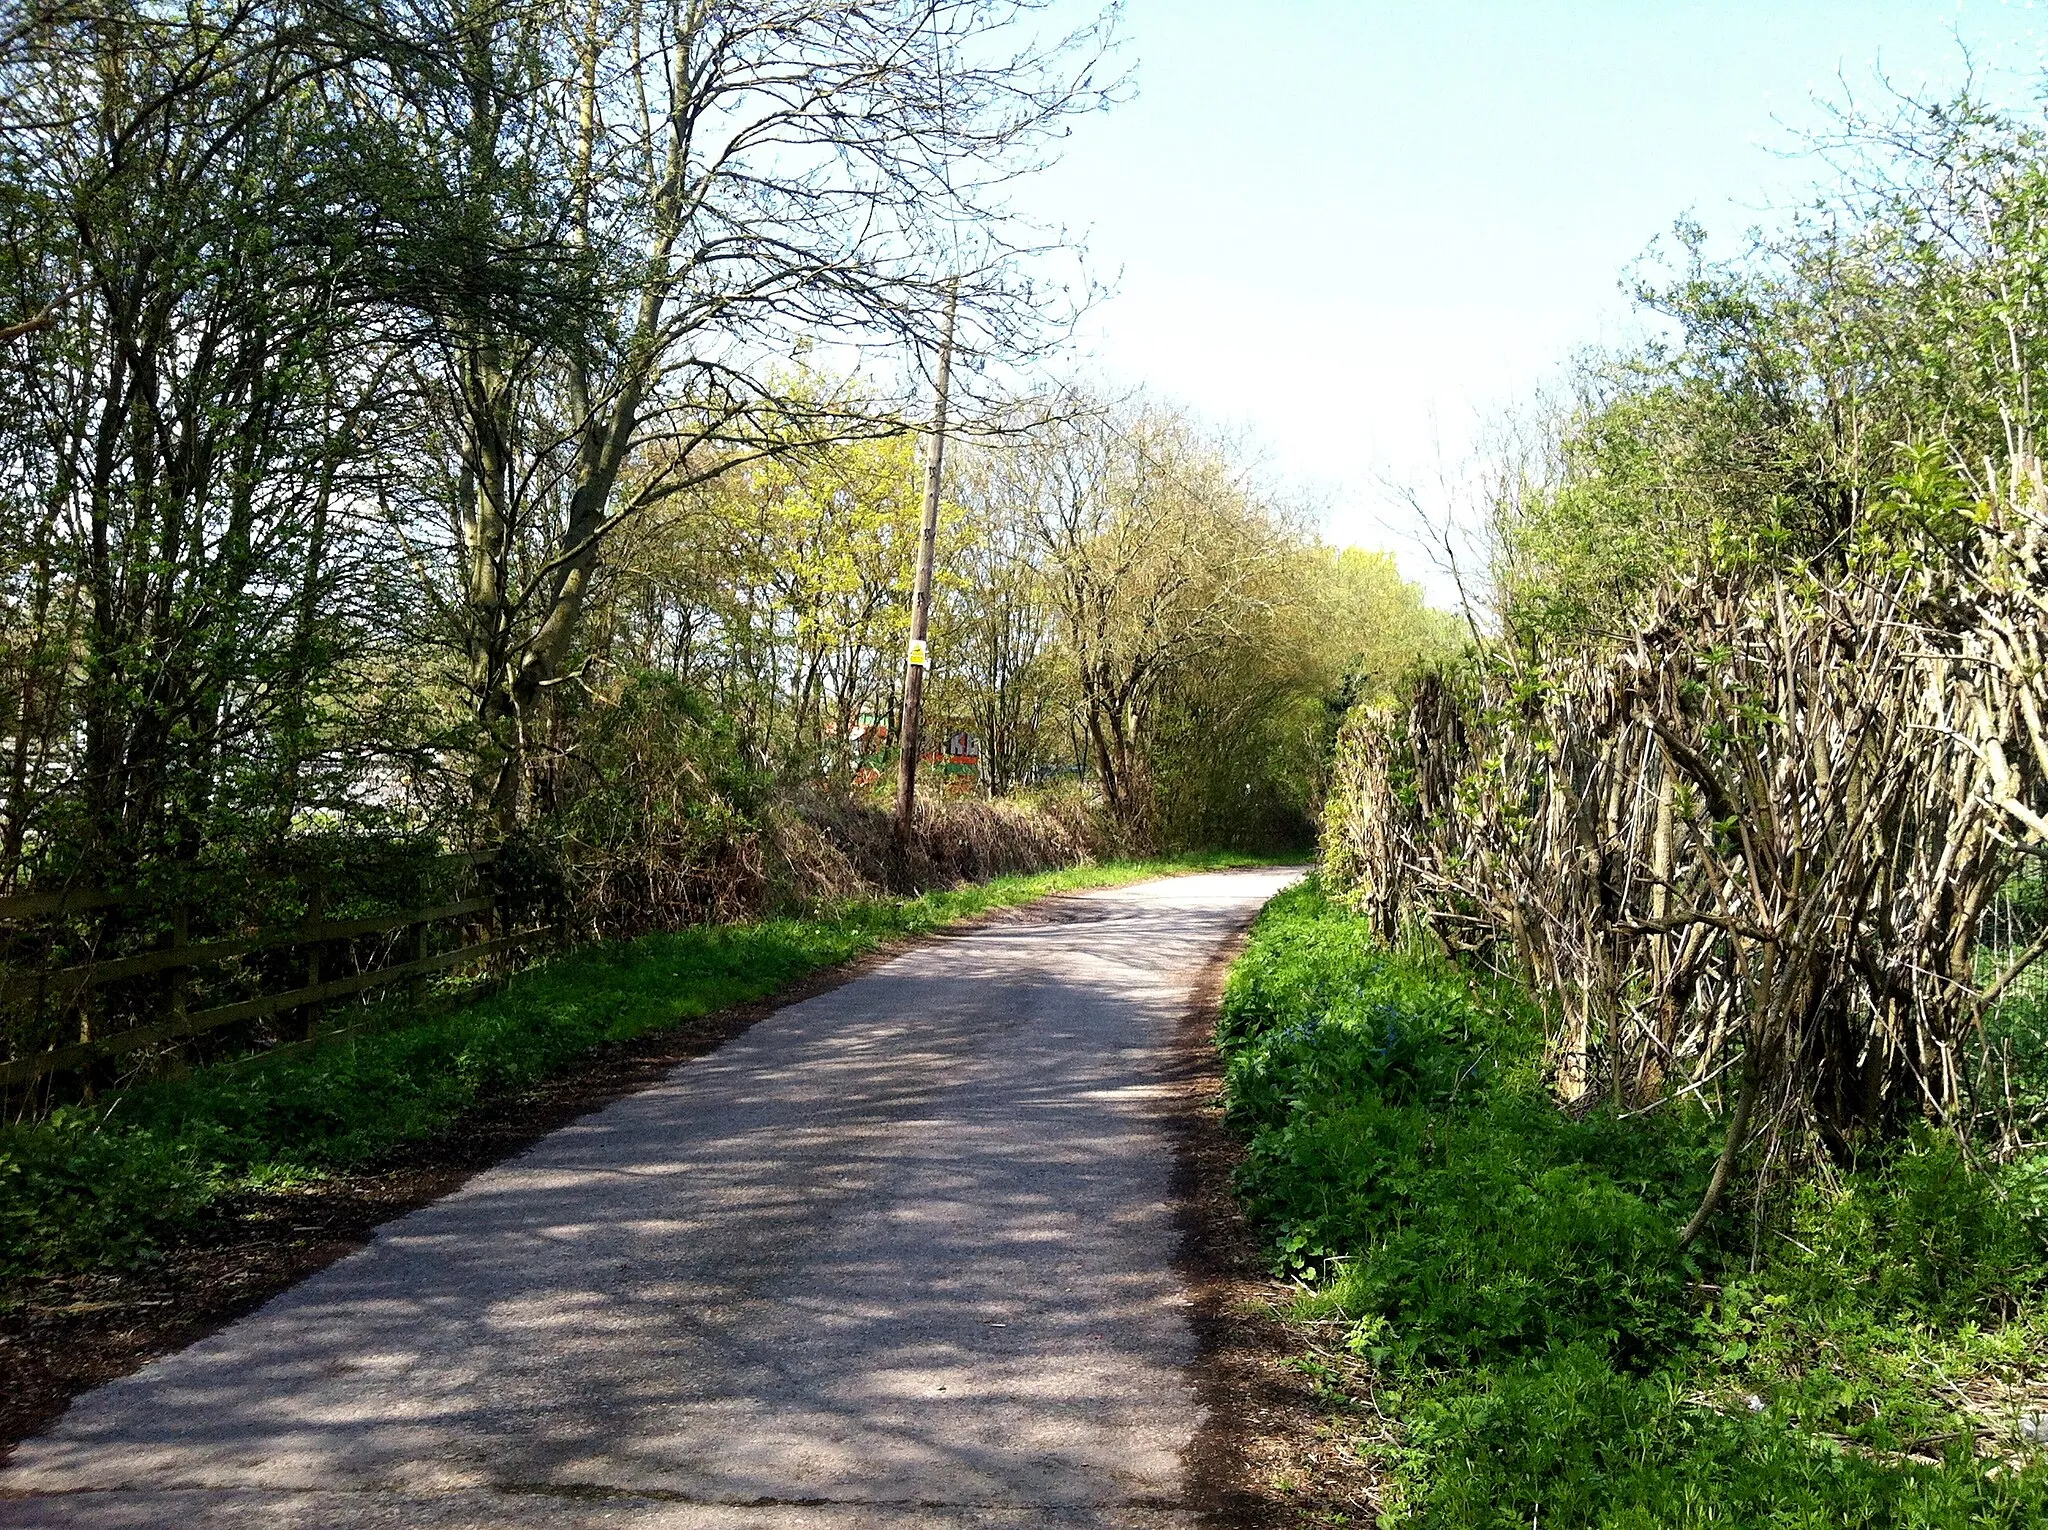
(1612, 513)
(1568, 1440)
(653, 808)
(1833, 394)
(1242, 741)
(1506, 1238)
(85, 1190)
(1403, 1146)
(75, 1193)
(1512, 1270)
(1924, 1235)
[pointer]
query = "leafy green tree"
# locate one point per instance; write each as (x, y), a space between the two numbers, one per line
(186, 402)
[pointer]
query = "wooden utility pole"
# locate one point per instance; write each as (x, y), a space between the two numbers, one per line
(921, 592)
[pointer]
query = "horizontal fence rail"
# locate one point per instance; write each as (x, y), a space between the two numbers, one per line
(62, 994)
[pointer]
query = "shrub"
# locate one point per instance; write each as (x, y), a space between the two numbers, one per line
(75, 1193)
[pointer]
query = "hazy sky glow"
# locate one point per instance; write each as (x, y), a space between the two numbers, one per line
(1353, 229)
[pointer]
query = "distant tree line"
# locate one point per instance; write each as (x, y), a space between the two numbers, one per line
(461, 421)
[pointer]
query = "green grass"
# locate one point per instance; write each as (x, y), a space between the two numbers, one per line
(111, 1185)
(1512, 1274)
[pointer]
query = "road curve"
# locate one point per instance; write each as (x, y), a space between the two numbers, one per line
(900, 1255)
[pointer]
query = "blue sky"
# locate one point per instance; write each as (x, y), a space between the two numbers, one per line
(1355, 228)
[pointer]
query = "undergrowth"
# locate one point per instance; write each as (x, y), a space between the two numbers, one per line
(1871, 1352)
(109, 1186)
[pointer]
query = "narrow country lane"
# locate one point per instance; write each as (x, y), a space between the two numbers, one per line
(900, 1255)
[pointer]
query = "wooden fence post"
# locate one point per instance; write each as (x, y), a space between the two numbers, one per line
(488, 884)
(310, 1015)
(181, 975)
(416, 951)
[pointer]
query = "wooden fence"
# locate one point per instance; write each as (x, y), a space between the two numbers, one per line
(49, 998)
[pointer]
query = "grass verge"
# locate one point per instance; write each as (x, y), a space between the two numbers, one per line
(108, 1187)
(1492, 1291)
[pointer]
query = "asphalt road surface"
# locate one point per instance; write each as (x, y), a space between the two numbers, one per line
(900, 1255)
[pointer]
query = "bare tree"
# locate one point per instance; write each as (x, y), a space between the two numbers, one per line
(997, 655)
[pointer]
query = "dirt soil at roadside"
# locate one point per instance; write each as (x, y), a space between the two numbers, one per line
(1279, 1447)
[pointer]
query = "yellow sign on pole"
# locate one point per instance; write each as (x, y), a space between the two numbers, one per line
(917, 651)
